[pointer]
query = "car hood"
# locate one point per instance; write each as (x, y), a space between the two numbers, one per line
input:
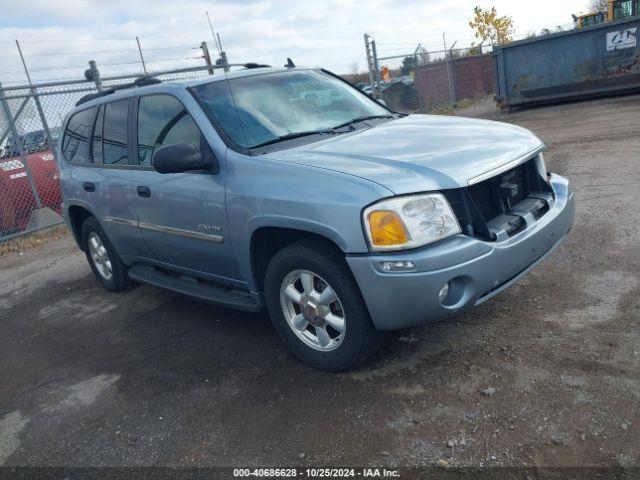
(418, 152)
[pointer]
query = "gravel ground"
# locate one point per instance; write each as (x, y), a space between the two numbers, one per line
(545, 374)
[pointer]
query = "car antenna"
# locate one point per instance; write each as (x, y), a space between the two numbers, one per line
(290, 63)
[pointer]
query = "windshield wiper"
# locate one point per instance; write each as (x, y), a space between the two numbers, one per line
(362, 119)
(332, 130)
(291, 136)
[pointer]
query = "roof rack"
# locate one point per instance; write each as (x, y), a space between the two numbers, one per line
(251, 65)
(141, 81)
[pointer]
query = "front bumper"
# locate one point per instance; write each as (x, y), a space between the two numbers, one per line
(477, 270)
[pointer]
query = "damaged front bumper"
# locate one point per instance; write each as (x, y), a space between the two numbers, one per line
(474, 270)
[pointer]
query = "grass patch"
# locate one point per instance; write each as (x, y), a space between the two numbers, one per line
(451, 109)
(32, 240)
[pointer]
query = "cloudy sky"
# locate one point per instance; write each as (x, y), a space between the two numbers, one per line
(58, 37)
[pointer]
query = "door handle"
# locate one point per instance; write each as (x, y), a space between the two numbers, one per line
(89, 186)
(143, 191)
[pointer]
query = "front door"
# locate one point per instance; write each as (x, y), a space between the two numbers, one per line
(182, 216)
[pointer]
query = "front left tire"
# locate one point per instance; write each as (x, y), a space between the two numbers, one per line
(317, 309)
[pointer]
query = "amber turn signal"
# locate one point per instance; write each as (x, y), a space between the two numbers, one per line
(387, 228)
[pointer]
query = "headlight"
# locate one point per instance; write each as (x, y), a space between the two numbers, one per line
(409, 222)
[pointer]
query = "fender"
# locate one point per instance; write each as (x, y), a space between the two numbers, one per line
(243, 244)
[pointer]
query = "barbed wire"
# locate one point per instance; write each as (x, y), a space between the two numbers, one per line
(97, 52)
(466, 43)
(120, 39)
(107, 64)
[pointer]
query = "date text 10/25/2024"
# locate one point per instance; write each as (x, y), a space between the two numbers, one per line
(316, 473)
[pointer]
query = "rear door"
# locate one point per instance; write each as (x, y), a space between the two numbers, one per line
(114, 192)
(182, 216)
(79, 180)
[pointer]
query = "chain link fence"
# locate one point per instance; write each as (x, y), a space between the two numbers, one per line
(31, 119)
(427, 80)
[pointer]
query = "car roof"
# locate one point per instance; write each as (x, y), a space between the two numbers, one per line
(182, 84)
(248, 72)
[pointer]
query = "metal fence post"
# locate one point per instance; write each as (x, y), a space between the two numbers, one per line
(369, 62)
(43, 119)
(223, 54)
(484, 80)
(225, 62)
(376, 70)
(18, 142)
(207, 56)
(452, 77)
(94, 74)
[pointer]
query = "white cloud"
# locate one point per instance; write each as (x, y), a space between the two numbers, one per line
(67, 33)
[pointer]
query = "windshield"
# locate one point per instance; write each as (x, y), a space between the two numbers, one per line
(282, 104)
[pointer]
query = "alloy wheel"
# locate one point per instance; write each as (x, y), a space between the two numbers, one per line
(313, 310)
(100, 256)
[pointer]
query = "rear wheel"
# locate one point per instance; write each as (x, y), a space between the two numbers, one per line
(317, 309)
(102, 257)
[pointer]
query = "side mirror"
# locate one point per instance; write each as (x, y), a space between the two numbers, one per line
(181, 157)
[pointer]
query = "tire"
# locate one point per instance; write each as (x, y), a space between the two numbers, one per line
(117, 280)
(331, 350)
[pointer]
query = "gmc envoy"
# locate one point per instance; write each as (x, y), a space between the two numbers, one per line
(287, 188)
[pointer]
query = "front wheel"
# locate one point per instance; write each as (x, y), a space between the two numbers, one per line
(317, 309)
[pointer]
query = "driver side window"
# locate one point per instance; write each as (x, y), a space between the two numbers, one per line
(163, 120)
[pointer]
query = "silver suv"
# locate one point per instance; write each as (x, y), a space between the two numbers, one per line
(289, 189)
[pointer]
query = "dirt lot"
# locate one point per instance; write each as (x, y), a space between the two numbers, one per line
(546, 374)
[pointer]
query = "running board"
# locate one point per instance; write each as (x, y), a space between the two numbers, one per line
(207, 291)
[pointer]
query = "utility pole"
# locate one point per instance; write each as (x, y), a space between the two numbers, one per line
(369, 62)
(206, 56)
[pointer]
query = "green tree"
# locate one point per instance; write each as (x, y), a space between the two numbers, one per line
(408, 65)
(489, 27)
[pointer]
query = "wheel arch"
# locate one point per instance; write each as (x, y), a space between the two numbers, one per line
(267, 240)
(76, 215)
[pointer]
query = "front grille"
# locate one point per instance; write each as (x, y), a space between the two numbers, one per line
(502, 204)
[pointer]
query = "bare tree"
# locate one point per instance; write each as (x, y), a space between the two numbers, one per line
(423, 56)
(599, 5)
(354, 68)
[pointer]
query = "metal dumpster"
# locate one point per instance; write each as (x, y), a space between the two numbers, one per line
(598, 60)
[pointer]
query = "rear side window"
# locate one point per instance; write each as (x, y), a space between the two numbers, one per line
(114, 137)
(75, 145)
(163, 120)
(98, 132)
